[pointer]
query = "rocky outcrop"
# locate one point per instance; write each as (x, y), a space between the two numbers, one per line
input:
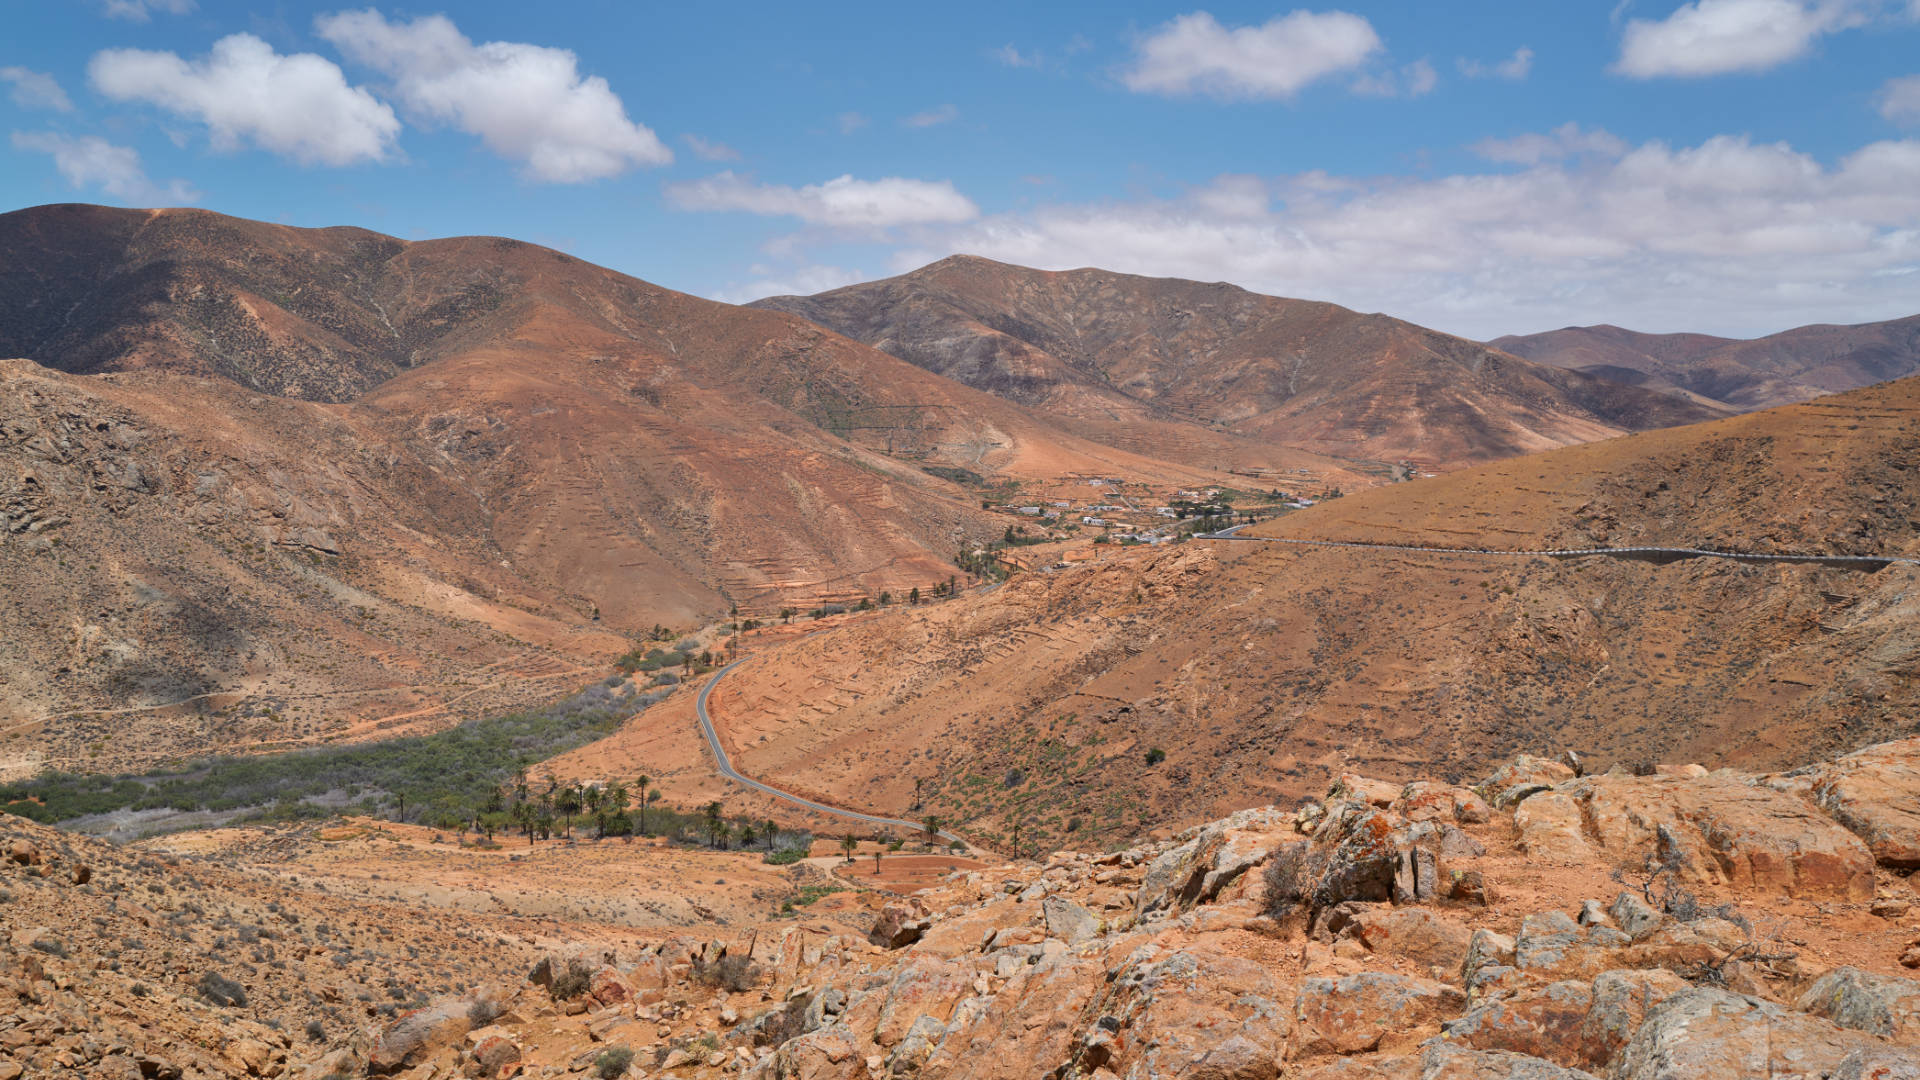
(1876, 793)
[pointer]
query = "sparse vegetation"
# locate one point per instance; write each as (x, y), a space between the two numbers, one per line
(217, 989)
(613, 1062)
(447, 778)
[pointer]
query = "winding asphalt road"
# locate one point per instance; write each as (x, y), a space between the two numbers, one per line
(1861, 561)
(727, 770)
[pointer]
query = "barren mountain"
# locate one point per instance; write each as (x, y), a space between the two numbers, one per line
(1101, 349)
(1779, 369)
(1262, 670)
(259, 471)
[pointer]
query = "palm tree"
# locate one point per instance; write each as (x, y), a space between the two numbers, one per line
(747, 835)
(641, 782)
(714, 824)
(1016, 837)
(932, 827)
(849, 845)
(772, 831)
(877, 852)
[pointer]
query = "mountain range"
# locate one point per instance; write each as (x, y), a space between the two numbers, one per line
(1756, 373)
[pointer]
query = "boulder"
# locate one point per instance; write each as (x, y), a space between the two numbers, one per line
(415, 1036)
(897, 926)
(1707, 1034)
(1722, 829)
(1382, 793)
(23, 852)
(1880, 1063)
(924, 986)
(1442, 1060)
(1522, 778)
(1882, 1004)
(1198, 869)
(1575, 1024)
(832, 1053)
(1551, 831)
(1418, 934)
(1357, 1013)
(1068, 921)
(494, 1057)
(1193, 1013)
(1875, 792)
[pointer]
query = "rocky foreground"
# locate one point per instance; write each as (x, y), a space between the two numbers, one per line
(1541, 924)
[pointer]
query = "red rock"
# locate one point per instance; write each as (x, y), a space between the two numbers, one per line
(1876, 793)
(1722, 829)
(1354, 1014)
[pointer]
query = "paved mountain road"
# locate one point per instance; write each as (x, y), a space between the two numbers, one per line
(727, 770)
(1861, 561)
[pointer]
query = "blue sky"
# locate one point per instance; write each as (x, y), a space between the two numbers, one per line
(1731, 166)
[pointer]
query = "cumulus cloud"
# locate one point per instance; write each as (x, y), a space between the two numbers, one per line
(1566, 141)
(1716, 37)
(299, 106)
(934, 117)
(1728, 236)
(1410, 81)
(1194, 54)
(35, 90)
(1899, 99)
(1515, 67)
(90, 162)
(1012, 57)
(142, 10)
(527, 103)
(709, 150)
(802, 280)
(841, 203)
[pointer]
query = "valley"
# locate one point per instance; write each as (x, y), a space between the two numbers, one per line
(459, 659)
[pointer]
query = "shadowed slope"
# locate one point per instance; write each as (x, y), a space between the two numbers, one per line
(1090, 346)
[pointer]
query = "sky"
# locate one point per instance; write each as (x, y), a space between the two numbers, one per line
(1723, 166)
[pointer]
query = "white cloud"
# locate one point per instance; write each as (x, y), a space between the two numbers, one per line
(1515, 67)
(1410, 81)
(850, 122)
(1566, 141)
(1194, 54)
(1899, 99)
(299, 105)
(88, 161)
(944, 114)
(841, 203)
(1012, 57)
(142, 10)
(709, 150)
(1728, 236)
(794, 281)
(35, 90)
(1716, 37)
(528, 103)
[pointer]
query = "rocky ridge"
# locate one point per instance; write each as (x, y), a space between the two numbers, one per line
(1536, 924)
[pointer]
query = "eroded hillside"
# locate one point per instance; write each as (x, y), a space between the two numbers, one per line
(1097, 348)
(1261, 670)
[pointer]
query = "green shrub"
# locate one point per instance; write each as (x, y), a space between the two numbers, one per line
(217, 989)
(612, 1062)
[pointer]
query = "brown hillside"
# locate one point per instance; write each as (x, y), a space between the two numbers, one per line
(1775, 370)
(1262, 670)
(257, 474)
(1096, 347)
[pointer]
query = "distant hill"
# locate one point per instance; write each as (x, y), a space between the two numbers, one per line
(1095, 347)
(1263, 671)
(250, 466)
(1779, 369)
